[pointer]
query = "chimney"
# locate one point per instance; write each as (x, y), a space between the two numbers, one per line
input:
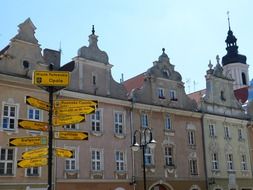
(52, 56)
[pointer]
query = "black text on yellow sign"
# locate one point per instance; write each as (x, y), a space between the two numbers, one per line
(51, 78)
(70, 135)
(72, 103)
(64, 153)
(28, 141)
(34, 102)
(29, 163)
(35, 153)
(74, 111)
(68, 119)
(32, 125)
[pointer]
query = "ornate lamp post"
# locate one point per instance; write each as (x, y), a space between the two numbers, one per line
(146, 139)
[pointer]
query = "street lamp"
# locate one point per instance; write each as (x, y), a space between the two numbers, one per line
(144, 142)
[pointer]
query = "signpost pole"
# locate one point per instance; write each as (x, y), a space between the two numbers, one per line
(50, 134)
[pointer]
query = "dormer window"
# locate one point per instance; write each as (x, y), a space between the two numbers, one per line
(173, 96)
(161, 93)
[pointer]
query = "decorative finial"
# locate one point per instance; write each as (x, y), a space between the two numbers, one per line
(163, 50)
(210, 65)
(228, 20)
(218, 59)
(93, 30)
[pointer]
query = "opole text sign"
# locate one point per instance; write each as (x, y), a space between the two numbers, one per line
(51, 78)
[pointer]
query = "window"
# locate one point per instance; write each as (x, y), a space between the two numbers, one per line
(215, 162)
(172, 95)
(240, 134)
(193, 167)
(34, 114)
(222, 96)
(118, 123)
(9, 117)
(96, 160)
(212, 131)
(120, 161)
(227, 132)
(144, 120)
(230, 162)
(32, 171)
(94, 80)
(148, 156)
(244, 81)
(26, 64)
(191, 137)
(6, 161)
(96, 120)
(161, 93)
(168, 123)
(71, 163)
(168, 156)
(244, 166)
(70, 127)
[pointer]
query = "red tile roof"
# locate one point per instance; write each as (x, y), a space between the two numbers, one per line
(241, 94)
(134, 83)
(197, 95)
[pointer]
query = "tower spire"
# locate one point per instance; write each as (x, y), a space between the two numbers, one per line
(228, 20)
(93, 30)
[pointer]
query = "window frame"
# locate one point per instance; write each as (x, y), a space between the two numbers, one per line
(193, 166)
(215, 161)
(144, 120)
(73, 161)
(119, 125)
(95, 120)
(97, 164)
(169, 155)
(120, 161)
(5, 161)
(9, 116)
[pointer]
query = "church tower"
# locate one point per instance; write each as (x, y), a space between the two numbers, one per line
(234, 64)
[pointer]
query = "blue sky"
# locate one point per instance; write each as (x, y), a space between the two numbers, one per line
(133, 32)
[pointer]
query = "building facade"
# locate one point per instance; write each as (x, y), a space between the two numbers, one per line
(198, 146)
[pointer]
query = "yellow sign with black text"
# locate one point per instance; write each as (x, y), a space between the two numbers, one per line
(66, 103)
(70, 135)
(28, 141)
(32, 125)
(51, 78)
(65, 153)
(74, 111)
(35, 153)
(29, 163)
(37, 103)
(68, 119)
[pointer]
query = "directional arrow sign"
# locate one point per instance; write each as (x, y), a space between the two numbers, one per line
(28, 141)
(62, 152)
(32, 125)
(71, 135)
(37, 103)
(68, 119)
(74, 111)
(29, 163)
(36, 153)
(51, 78)
(65, 103)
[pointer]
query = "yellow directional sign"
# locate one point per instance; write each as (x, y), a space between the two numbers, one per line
(29, 163)
(68, 119)
(36, 153)
(51, 78)
(62, 152)
(32, 125)
(71, 135)
(74, 111)
(37, 103)
(65, 103)
(28, 141)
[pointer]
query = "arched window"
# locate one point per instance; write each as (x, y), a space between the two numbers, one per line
(244, 82)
